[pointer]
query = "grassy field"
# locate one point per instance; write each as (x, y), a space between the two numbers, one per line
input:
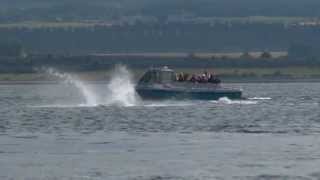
(78, 24)
(199, 55)
(257, 19)
(47, 24)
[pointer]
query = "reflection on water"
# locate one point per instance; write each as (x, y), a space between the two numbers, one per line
(48, 132)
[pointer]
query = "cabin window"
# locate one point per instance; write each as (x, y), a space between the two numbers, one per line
(146, 77)
(167, 77)
(157, 77)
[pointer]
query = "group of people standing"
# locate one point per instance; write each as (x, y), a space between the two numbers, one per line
(205, 77)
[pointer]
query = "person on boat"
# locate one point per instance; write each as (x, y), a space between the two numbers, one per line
(177, 77)
(185, 77)
(198, 79)
(204, 78)
(193, 78)
(181, 77)
(206, 74)
(211, 78)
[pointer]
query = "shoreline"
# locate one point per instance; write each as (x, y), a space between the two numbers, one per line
(224, 80)
(227, 75)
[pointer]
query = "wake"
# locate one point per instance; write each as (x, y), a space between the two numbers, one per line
(120, 91)
(225, 100)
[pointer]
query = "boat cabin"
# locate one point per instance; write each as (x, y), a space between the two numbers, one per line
(158, 75)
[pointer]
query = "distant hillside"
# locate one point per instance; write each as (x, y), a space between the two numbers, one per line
(20, 10)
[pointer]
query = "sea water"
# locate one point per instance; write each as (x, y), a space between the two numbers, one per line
(47, 133)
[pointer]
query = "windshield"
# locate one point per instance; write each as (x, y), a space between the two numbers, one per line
(167, 76)
(157, 77)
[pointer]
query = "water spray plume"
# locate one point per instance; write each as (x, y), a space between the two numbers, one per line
(122, 91)
(89, 95)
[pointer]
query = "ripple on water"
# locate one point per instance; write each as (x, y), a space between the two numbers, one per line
(25, 136)
(100, 143)
(260, 98)
(315, 175)
(159, 177)
(275, 129)
(272, 177)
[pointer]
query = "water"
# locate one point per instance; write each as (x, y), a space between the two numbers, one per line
(52, 132)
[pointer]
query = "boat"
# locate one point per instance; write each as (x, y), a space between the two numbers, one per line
(162, 83)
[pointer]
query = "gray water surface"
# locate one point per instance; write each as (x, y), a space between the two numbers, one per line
(47, 132)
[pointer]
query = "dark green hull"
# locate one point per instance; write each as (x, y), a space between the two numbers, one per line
(147, 93)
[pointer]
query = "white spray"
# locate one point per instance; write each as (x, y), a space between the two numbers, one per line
(121, 88)
(225, 100)
(89, 96)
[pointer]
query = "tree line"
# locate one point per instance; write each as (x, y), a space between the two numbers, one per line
(163, 37)
(24, 49)
(28, 10)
